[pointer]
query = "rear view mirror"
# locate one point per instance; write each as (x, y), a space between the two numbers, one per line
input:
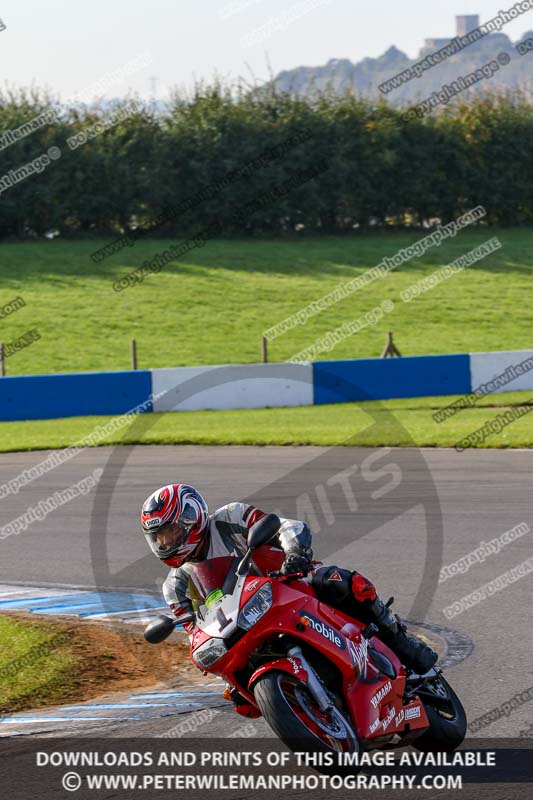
(264, 531)
(160, 629)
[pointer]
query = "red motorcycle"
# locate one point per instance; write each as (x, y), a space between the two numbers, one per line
(321, 679)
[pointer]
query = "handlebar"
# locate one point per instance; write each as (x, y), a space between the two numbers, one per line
(292, 575)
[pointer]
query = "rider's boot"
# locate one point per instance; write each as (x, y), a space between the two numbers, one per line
(356, 596)
(413, 653)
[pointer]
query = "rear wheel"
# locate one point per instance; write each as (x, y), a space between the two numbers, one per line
(295, 717)
(446, 715)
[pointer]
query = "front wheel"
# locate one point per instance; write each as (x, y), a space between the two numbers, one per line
(295, 717)
(446, 715)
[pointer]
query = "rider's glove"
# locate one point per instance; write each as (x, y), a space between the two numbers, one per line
(178, 612)
(297, 561)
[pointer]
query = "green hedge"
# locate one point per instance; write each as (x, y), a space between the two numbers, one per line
(215, 159)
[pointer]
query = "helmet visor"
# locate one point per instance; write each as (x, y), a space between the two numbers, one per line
(166, 541)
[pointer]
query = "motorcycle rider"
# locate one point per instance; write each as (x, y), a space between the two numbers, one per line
(180, 531)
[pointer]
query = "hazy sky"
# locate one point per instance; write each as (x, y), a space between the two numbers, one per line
(69, 46)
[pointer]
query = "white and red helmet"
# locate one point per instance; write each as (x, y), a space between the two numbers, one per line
(174, 520)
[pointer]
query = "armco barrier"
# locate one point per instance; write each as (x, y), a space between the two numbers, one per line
(386, 378)
(237, 386)
(232, 386)
(73, 395)
(495, 372)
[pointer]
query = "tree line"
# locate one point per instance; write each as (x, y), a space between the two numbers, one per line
(114, 168)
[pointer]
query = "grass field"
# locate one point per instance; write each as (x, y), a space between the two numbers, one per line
(36, 663)
(44, 663)
(213, 306)
(392, 422)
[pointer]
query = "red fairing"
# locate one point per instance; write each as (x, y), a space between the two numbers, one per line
(291, 665)
(374, 701)
(248, 711)
(267, 558)
(199, 637)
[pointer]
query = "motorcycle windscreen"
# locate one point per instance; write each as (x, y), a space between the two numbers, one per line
(209, 576)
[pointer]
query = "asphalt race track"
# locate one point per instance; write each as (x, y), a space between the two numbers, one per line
(397, 515)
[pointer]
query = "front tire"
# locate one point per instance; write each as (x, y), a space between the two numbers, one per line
(293, 714)
(446, 715)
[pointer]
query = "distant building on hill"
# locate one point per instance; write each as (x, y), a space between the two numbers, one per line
(466, 23)
(472, 45)
(463, 25)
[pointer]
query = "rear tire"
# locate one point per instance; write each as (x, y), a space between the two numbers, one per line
(294, 716)
(447, 719)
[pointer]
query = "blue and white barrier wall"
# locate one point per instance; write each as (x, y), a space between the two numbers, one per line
(76, 395)
(386, 378)
(232, 386)
(507, 371)
(244, 386)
